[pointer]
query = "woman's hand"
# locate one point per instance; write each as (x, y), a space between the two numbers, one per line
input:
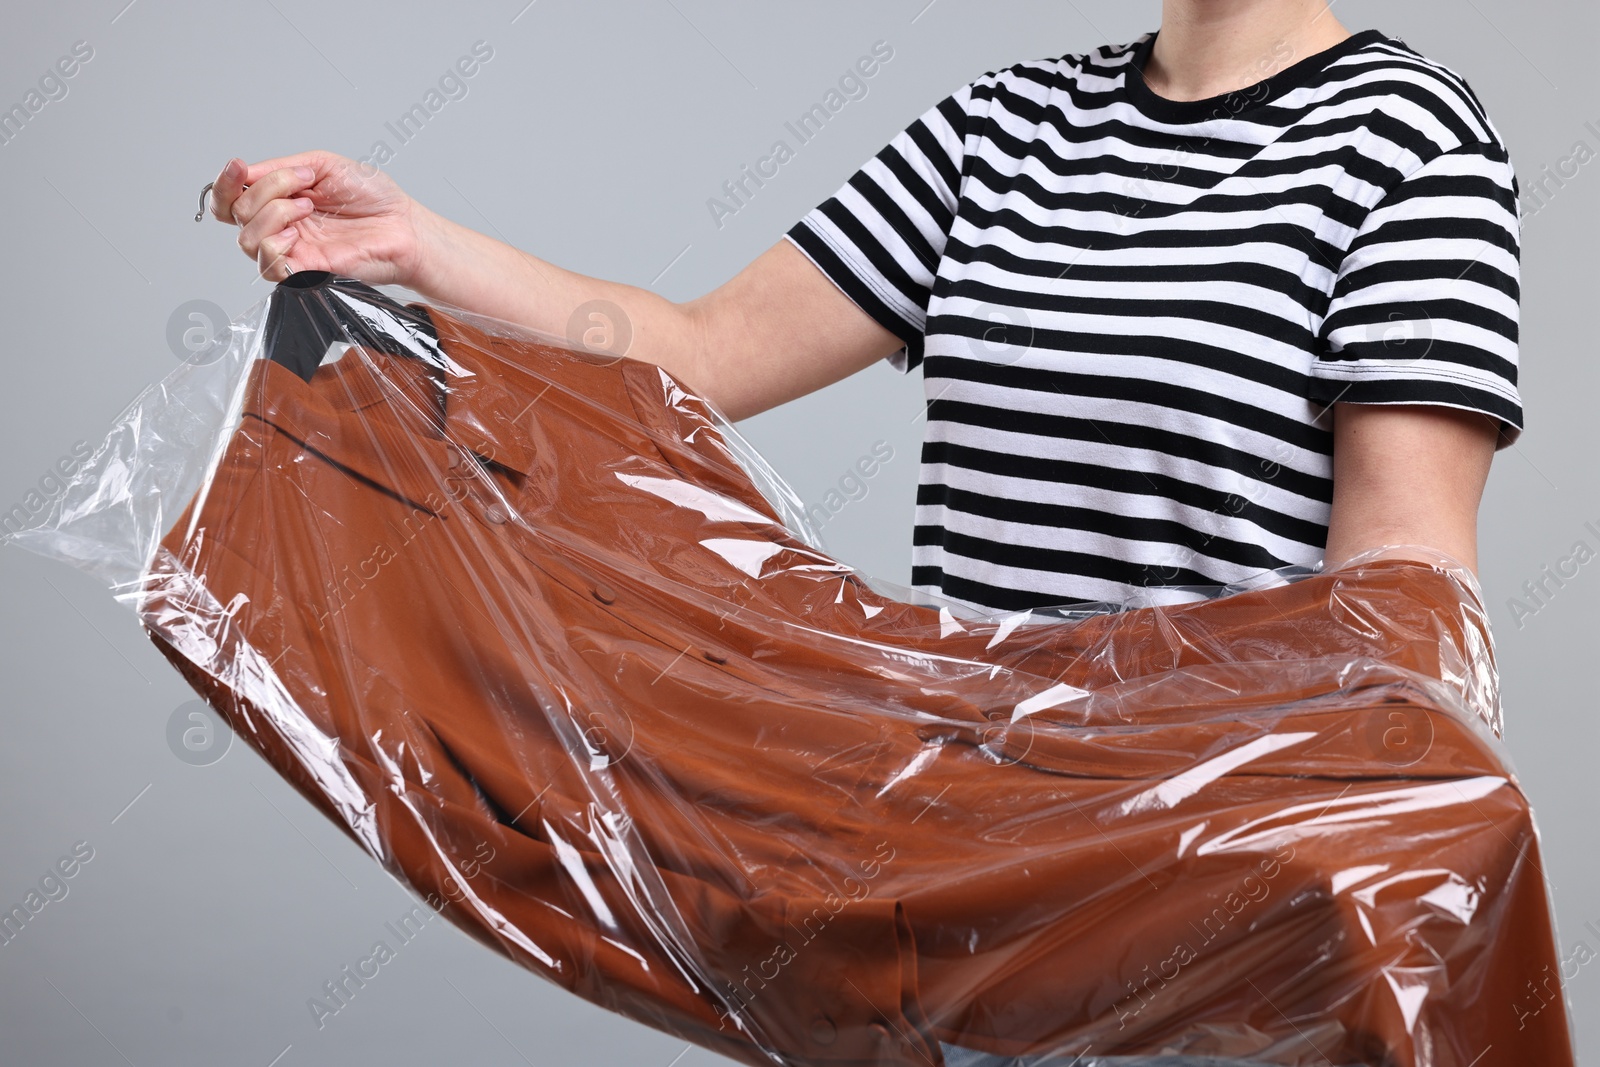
(320, 211)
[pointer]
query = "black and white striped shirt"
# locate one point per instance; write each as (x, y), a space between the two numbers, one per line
(1133, 313)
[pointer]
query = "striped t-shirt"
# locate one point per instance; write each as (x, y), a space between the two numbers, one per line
(1133, 314)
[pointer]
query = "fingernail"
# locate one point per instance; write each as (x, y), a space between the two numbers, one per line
(232, 168)
(305, 173)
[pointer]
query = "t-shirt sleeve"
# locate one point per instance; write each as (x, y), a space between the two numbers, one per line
(1425, 303)
(880, 237)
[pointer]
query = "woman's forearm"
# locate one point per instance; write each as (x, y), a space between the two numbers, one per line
(456, 265)
(777, 330)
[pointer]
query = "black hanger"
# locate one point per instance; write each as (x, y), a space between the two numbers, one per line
(311, 310)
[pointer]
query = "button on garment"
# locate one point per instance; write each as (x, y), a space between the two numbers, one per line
(532, 636)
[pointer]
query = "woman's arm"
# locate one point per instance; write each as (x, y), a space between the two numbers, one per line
(1408, 474)
(777, 330)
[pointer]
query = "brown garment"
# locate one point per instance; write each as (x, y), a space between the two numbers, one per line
(544, 649)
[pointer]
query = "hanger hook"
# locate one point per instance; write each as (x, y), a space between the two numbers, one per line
(201, 214)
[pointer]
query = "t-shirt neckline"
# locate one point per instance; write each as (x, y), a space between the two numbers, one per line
(1238, 101)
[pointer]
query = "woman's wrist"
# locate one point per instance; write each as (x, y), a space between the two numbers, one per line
(453, 264)
(431, 246)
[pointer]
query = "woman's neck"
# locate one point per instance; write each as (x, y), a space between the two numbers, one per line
(1210, 47)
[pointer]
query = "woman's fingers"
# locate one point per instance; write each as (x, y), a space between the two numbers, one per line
(317, 160)
(237, 175)
(270, 188)
(261, 199)
(271, 219)
(272, 258)
(226, 189)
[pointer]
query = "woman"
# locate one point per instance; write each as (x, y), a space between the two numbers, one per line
(1239, 295)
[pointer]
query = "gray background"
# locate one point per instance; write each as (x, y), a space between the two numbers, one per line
(217, 901)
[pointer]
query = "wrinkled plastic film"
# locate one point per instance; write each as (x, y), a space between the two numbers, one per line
(560, 650)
